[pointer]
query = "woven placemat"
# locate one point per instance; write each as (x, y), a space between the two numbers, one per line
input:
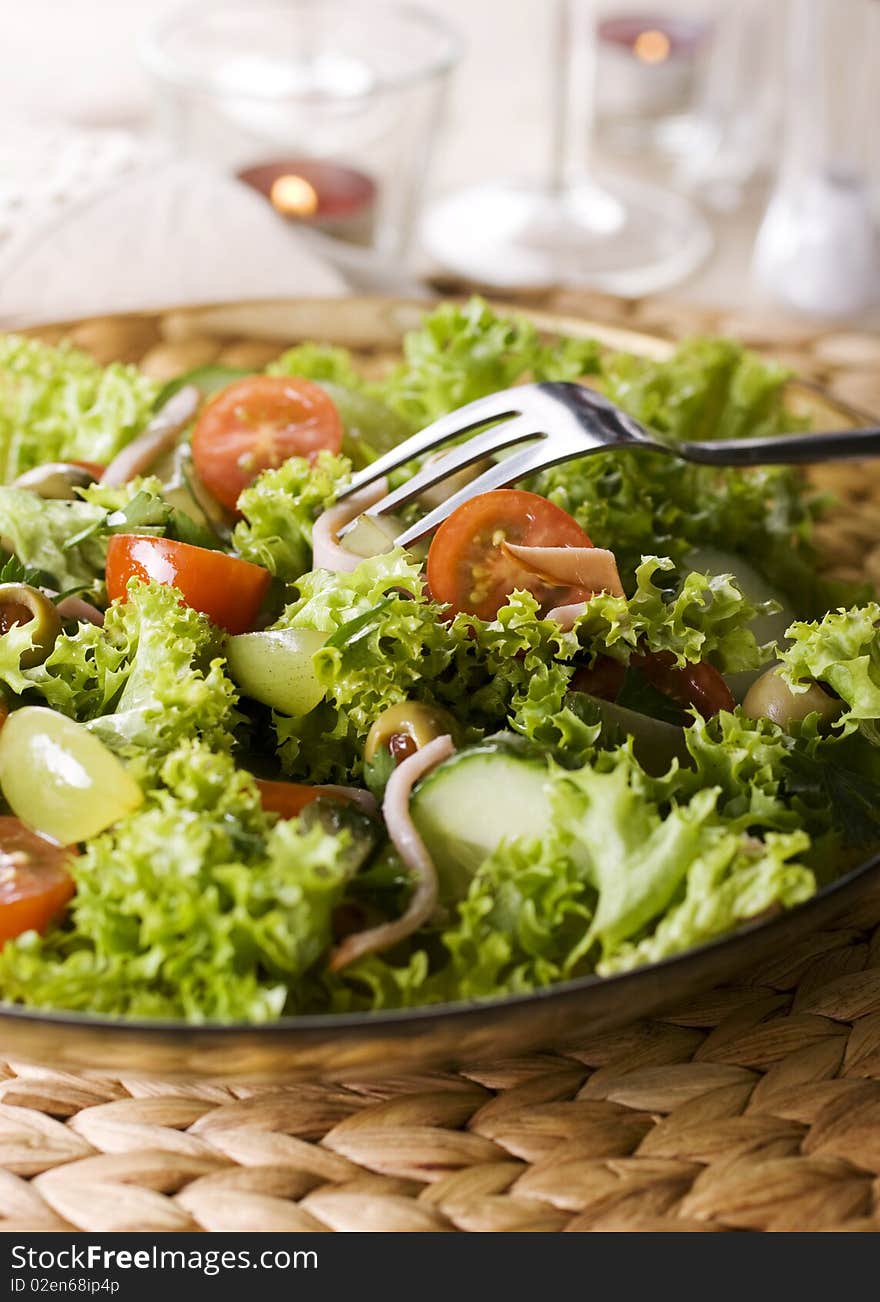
(756, 1107)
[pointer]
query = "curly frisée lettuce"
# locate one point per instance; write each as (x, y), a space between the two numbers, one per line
(280, 508)
(57, 404)
(842, 650)
(151, 678)
(192, 907)
(387, 642)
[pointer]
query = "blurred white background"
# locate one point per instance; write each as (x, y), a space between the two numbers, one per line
(77, 61)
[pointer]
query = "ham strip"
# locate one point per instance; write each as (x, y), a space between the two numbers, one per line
(328, 551)
(159, 437)
(567, 616)
(84, 611)
(411, 848)
(593, 568)
(364, 800)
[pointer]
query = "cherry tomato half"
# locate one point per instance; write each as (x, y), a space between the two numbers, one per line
(698, 685)
(603, 679)
(467, 570)
(258, 423)
(34, 882)
(228, 590)
(290, 798)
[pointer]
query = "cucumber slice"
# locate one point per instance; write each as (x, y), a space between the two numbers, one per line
(482, 796)
(371, 535)
(276, 667)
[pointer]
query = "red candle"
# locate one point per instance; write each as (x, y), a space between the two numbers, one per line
(337, 200)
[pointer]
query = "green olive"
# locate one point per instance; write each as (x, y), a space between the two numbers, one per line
(22, 604)
(409, 719)
(56, 479)
(770, 697)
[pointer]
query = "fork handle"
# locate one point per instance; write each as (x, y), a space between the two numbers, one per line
(785, 449)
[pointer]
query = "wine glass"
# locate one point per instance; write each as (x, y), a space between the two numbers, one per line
(612, 233)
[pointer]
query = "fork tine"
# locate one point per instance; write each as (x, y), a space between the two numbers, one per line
(501, 475)
(522, 464)
(505, 435)
(493, 407)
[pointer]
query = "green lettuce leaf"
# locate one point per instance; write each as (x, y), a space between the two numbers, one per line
(464, 352)
(705, 616)
(732, 882)
(192, 907)
(57, 404)
(43, 534)
(279, 509)
(152, 677)
(842, 650)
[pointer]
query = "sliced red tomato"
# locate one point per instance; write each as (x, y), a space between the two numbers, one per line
(228, 590)
(698, 685)
(258, 423)
(35, 884)
(469, 571)
(290, 798)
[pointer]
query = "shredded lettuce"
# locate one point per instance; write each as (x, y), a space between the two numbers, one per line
(57, 404)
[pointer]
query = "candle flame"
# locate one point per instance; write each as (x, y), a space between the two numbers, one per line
(294, 196)
(652, 46)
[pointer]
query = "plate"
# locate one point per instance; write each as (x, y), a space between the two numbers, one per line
(371, 1044)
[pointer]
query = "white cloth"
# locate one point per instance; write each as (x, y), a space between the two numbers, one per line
(137, 231)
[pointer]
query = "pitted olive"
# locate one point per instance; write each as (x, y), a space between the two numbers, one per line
(405, 728)
(20, 604)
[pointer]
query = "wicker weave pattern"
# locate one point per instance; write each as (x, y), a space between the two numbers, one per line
(756, 1107)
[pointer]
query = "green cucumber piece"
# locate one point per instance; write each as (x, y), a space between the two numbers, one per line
(494, 792)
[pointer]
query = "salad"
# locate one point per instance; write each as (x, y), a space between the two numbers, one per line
(250, 769)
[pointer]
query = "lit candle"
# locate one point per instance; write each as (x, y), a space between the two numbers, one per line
(647, 63)
(337, 200)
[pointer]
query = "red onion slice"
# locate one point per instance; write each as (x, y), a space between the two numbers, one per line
(327, 551)
(160, 436)
(411, 848)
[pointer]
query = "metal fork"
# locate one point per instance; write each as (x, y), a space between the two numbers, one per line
(558, 422)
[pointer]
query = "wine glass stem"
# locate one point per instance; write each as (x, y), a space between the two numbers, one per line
(573, 76)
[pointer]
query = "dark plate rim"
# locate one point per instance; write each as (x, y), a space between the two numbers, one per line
(307, 1024)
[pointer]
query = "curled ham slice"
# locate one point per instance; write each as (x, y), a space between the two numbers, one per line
(328, 551)
(567, 616)
(84, 611)
(364, 800)
(159, 437)
(593, 568)
(411, 848)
